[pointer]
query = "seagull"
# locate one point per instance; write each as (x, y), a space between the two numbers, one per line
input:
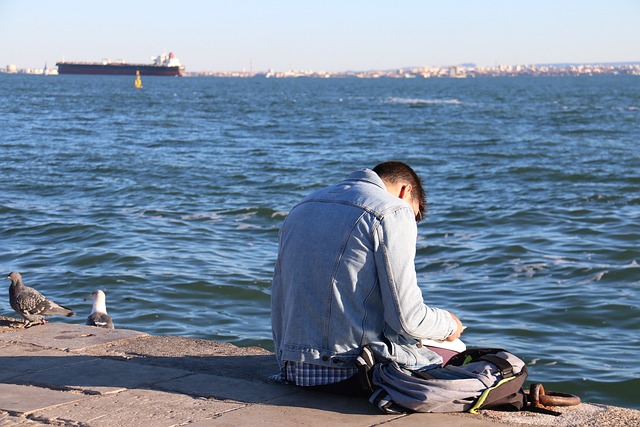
(31, 304)
(99, 316)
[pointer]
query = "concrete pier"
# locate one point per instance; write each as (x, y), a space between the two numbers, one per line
(75, 375)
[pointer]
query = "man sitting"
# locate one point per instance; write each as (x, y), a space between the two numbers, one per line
(345, 279)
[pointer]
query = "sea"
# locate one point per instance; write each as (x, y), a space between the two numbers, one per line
(170, 198)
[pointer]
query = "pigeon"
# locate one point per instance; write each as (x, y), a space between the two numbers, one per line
(31, 304)
(99, 316)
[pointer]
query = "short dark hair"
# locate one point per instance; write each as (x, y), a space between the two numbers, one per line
(394, 171)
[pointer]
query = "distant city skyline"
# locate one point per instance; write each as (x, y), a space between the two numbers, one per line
(255, 35)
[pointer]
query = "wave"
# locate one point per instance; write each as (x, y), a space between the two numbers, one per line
(241, 214)
(420, 101)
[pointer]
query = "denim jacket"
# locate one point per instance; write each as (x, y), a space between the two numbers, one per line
(345, 278)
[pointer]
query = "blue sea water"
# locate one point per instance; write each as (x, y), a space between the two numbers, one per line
(170, 199)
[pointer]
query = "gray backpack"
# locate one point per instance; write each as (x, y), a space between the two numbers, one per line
(471, 380)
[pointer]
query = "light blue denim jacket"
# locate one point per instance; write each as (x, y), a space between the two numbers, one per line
(345, 278)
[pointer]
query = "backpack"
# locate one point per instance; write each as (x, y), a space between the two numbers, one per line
(474, 379)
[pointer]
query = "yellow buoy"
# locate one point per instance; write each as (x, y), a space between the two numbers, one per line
(138, 82)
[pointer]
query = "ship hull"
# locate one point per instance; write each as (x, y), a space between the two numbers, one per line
(119, 69)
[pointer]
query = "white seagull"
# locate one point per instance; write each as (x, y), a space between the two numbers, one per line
(99, 316)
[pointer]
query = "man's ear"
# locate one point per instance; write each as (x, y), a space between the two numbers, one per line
(405, 191)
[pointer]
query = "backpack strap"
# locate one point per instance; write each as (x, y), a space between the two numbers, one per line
(480, 401)
(381, 399)
(423, 374)
(506, 369)
(365, 363)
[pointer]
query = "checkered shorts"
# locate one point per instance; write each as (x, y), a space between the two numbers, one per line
(305, 374)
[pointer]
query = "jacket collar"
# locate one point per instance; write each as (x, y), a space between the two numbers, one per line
(367, 175)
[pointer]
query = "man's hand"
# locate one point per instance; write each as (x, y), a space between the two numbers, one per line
(455, 334)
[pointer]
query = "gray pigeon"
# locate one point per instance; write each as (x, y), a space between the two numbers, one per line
(99, 316)
(31, 304)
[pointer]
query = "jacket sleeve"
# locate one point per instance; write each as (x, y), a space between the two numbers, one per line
(404, 308)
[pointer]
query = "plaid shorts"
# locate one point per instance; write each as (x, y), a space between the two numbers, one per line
(306, 374)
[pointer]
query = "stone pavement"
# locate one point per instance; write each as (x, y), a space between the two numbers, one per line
(74, 375)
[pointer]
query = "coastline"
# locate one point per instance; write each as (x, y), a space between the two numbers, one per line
(75, 375)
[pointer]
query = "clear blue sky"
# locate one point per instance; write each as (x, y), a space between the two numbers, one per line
(328, 35)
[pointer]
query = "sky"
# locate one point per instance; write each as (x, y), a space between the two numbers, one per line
(320, 35)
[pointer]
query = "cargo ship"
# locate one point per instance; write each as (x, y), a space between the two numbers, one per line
(163, 65)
